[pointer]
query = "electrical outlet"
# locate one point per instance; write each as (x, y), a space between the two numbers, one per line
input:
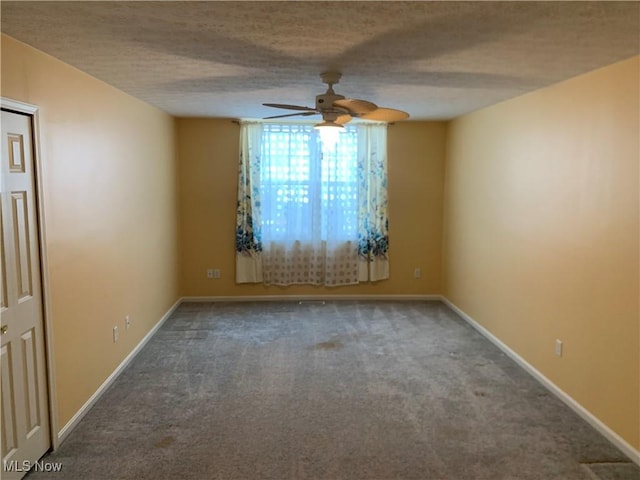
(210, 273)
(417, 273)
(558, 347)
(115, 334)
(127, 322)
(216, 273)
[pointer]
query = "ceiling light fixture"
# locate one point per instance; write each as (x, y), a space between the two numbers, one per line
(329, 133)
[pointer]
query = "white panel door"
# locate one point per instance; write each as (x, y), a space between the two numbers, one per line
(23, 390)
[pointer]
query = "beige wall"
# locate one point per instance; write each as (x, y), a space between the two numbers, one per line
(541, 234)
(208, 159)
(110, 212)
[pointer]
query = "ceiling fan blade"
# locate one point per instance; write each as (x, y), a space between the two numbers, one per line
(289, 107)
(301, 114)
(356, 106)
(385, 115)
(342, 119)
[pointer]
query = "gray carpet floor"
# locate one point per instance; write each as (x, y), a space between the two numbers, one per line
(340, 391)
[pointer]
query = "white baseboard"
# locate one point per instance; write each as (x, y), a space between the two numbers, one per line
(298, 298)
(71, 424)
(612, 436)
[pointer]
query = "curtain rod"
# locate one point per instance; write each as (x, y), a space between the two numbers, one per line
(237, 122)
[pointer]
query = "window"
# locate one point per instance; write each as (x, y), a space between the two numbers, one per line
(306, 189)
(310, 213)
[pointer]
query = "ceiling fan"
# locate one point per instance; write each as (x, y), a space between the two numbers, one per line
(337, 110)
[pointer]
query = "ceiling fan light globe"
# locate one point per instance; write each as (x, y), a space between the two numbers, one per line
(329, 133)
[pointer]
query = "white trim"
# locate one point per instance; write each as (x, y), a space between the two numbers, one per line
(71, 424)
(298, 298)
(590, 418)
(18, 106)
(38, 165)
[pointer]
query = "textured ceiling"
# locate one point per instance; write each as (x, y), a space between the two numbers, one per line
(436, 60)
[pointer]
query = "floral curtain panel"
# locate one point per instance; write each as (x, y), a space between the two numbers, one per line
(248, 231)
(373, 224)
(310, 213)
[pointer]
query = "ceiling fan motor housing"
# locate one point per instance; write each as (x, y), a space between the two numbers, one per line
(324, 102)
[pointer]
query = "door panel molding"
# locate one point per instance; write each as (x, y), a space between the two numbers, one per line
(3, 268)
(9, 427)
(22, 243)
(31, 382)
(16, 153)
(40, 198)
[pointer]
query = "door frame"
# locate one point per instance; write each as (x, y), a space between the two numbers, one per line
(33, 111)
